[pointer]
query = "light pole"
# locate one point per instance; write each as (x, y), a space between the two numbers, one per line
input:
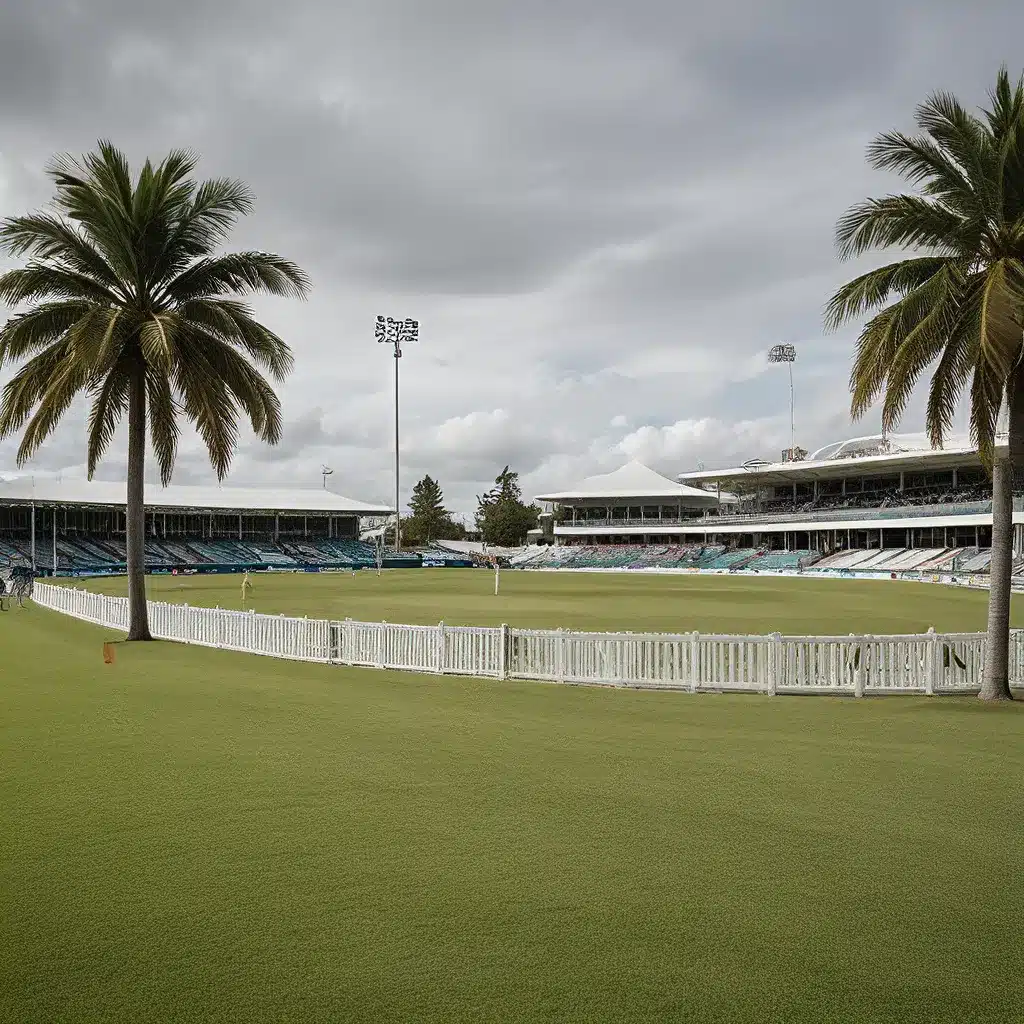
(397, 332)
(787, 354)
(325, 472)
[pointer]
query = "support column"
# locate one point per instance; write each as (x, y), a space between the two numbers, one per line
(33, 528)
(277, 527)
(901, 481)
(954, 478)
(239, 526)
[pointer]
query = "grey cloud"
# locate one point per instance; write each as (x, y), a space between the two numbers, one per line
(595, 209)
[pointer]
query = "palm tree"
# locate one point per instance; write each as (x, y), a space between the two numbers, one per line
(958, 302)
(133, 306)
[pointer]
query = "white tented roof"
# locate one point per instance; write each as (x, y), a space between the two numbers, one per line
(49, 491)
(855, 457)
(633, 480)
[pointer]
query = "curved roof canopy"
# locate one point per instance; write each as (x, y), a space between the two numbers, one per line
(636, 481)
(308, 500)
(881, 444)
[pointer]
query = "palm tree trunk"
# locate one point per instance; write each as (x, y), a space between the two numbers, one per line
(135, 519)
(995, 684)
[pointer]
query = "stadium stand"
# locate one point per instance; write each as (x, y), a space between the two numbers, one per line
(78, 527)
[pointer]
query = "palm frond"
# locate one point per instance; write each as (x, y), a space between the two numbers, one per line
(951, 377)
(24, 390)
(238, 274)
(1005, 120)
(203, 223)
(48, 238)
(156, 340)
(967, 139)
(96, 192)
(109, 404)
(163, 422)
(247, 386)
(876, 347)
(922, 162)
(999, 307)
(41, 326)
(233, 322)
(44, 281)
(67, 380)
(920, 347)
(207, 402)
(906, 221)
(870, 290)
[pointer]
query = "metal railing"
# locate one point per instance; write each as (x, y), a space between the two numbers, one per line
(712, 519)
(928, 663)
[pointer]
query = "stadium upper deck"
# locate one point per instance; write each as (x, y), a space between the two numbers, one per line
(861, 493)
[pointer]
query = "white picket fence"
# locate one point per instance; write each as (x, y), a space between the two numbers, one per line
(930, 663)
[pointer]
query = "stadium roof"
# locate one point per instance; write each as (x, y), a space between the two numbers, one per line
(855, 457)
(633, 480)
(311, 500)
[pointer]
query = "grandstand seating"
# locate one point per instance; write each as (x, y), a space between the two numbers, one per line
(79, 553)
(651, 556)
(782, 560)
(976, 563)
(90, 554)
(714, 556)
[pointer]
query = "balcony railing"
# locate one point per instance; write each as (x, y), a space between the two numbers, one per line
(711, 521)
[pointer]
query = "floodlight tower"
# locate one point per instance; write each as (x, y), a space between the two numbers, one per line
(397, 333)
(325, 472)
(787, 354)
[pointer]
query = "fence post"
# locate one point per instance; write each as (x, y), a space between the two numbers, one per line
(694, 661)
(933, 662)
(858, 674)
(560, 657)
(439, 649)
(505, 641)
(774, 663)
(382, 639)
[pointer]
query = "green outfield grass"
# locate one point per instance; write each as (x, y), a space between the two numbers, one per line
(594, 601)
(196, 835)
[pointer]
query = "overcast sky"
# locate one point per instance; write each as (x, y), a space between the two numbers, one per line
(603, 214)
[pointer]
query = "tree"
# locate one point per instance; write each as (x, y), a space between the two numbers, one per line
(502, 517)
(429, 516)
(133, 306)
(957, 303)
(429, 520)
